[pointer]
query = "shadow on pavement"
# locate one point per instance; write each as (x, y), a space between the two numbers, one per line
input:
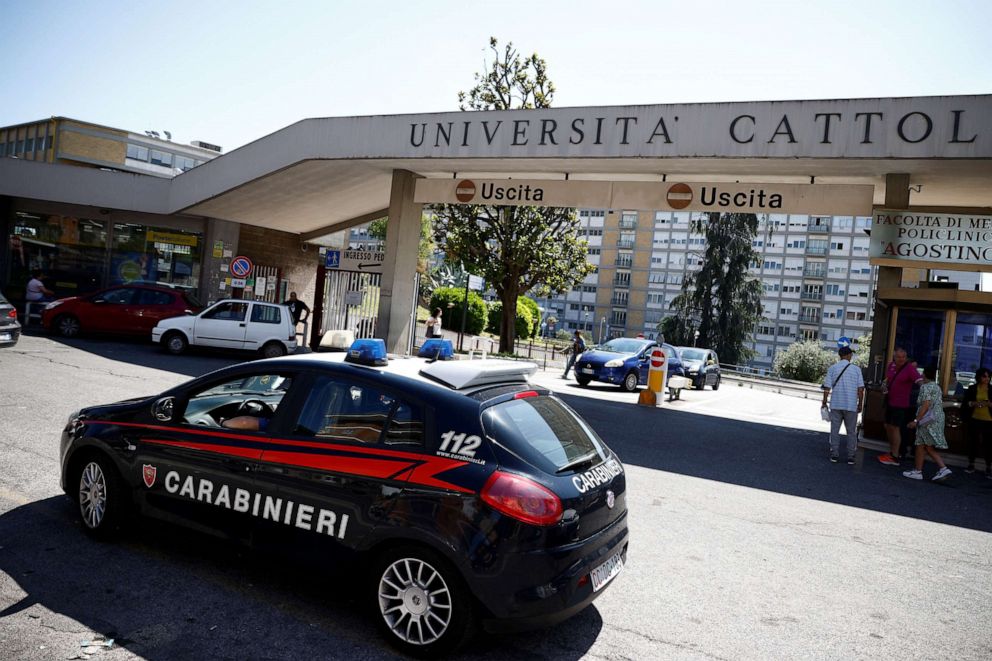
(137, 351)
(164, 593)
(782, 460)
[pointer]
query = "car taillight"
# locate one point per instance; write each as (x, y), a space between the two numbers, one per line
(522, 499)
(525, 394)
(12, 314)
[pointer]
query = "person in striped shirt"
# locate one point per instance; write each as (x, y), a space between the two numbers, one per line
(845, 386)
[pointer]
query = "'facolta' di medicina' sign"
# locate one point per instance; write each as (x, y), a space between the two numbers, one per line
(931, 240)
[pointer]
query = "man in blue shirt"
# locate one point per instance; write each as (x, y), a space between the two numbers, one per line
(846, 388)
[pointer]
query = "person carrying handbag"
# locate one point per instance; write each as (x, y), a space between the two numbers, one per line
(846, 389)
(929, 423)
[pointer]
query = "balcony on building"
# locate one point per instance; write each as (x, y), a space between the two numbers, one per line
(625, 244)
(814, 273)
(816, 251)
(822, 228)
(624, 262)
(809, 319)
(618, 300)
(811, 296)
(628, 223)
(621, 282)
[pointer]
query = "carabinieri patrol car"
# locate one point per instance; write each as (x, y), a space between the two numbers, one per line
(466, 494)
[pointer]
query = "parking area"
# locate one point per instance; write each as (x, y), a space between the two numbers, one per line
(745, 541)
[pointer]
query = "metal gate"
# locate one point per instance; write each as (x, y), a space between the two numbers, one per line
(268, 284)
(351, 302)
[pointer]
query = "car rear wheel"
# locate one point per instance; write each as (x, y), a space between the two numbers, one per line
(273, 350)
(699, 383)
(100, 496)
(630, 382)
(424, 609)
(716, 384)
(583, 380)
(175, 343)
(67, 325)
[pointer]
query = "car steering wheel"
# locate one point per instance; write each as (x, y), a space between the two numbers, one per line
(255, 407)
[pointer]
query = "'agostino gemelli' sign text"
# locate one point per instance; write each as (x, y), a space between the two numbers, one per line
(931, 237)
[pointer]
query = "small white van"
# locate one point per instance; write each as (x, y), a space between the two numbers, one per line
(231, 324)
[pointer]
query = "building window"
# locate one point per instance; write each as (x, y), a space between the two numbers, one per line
(137, 152)
(161, 158)
(184, 163)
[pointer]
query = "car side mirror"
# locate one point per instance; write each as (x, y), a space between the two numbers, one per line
(163, 408)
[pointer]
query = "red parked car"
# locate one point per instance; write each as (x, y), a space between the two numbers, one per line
(126, 309)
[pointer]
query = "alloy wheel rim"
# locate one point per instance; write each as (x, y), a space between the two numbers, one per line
(92, 494)
(175, 343)
(415, 601)
(631, 382)
(69, 326)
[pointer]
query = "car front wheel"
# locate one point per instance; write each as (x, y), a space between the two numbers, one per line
(583, 380)
(423, 609)
(67, 325)
(630, 382)
(175, 343)
(100, 497)
(716, 384)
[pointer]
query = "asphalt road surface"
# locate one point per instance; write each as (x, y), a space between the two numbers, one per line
(745, 543)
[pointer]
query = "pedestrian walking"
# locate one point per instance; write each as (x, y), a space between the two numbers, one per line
(900, 377)
(577, 347)
(929, 423)
(434, 324)
(297, 308)
(977, 409)
(846, 390)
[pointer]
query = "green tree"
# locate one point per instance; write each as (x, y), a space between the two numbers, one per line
(514, 248)
(377, 230)
(862, 353)
(722, 300)
(803, 361)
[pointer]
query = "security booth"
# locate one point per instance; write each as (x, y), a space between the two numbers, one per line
(929, 302)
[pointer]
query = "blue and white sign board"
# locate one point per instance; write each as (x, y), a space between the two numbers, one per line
(475, 282)
(843, 342)
(367, 261)
(241, 267)
(332, 259)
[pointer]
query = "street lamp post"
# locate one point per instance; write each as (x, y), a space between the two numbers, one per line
(602, 329)
(695, 337)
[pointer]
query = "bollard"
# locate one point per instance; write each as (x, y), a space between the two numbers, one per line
(657, 377)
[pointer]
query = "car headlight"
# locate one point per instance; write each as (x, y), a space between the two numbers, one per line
(616, 362)
(53, 304)
(72, 416)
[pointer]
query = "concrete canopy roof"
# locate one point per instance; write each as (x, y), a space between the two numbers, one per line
(321, 175)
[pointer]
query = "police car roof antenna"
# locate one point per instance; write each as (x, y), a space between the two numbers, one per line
(437, 354)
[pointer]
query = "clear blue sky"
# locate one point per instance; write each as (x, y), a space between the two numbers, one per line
(230, 72)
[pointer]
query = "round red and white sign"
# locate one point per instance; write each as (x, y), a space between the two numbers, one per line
(679, 196)
(657, 358)
(465, 190)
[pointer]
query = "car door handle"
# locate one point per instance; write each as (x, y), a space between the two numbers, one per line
(242, 324)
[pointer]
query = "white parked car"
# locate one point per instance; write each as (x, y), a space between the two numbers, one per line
(231, 324)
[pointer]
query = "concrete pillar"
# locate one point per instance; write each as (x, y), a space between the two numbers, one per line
(224, 234)
(896, 197)
(397, 296)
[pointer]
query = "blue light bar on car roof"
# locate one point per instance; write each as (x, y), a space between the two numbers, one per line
(437, 348)
(368, 351)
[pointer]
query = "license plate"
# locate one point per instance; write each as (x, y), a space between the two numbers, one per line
(5, 337)
(606, 572)
(586, 370)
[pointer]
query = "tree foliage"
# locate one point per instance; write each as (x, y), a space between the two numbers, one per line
(722, 300)
(514, 248)
(862, 353)
(522, 324)
(803, 361)
(451, 317)
(426, 248)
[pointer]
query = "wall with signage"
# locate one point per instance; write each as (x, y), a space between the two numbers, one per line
(931, 240)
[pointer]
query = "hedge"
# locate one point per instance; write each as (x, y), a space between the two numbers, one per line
(523, 323)
(451, 319)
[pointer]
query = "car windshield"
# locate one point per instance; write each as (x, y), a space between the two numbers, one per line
(624, 345)
(545, 432)
(693, 354)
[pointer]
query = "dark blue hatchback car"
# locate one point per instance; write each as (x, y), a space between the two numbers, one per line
(624, 362)
(461, 493)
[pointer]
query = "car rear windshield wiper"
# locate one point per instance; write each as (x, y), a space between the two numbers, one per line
(581, 462)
